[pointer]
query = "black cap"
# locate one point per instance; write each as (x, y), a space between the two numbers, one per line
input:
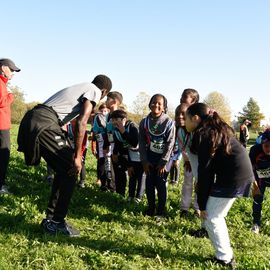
(9, 63)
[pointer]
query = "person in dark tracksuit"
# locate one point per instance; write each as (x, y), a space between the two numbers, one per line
(156, 141)
(40, 135)
(260, 158)
(126, 154)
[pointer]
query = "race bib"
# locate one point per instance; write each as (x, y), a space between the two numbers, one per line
(134, 155)
(157, 147)
(263, 173)
(110, 137)
(99, 137)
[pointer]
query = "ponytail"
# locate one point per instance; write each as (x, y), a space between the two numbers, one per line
(212, 127)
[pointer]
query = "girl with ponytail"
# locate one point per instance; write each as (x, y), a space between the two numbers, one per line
(224, 173)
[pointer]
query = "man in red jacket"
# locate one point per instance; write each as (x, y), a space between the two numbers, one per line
(7, 68)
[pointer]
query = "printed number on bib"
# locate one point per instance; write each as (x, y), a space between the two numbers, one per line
(264, 173)
(157, 147)
(110, 137)
(99, 137)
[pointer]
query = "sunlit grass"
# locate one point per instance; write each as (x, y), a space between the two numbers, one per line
(114, 234)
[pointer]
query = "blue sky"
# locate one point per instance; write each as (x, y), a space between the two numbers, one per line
(142, 45)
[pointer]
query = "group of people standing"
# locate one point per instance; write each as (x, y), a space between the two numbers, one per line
(213, 158)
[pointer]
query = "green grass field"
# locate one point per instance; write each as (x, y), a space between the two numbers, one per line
(114, 234)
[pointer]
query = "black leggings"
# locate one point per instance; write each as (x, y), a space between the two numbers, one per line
(4, 154)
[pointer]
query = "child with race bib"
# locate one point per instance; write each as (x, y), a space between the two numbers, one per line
(156, 141)
(126, 153)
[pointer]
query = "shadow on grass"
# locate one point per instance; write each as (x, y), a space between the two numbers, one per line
(18, 224)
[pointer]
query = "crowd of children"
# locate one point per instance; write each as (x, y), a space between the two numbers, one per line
(142, 157)
(215, 164)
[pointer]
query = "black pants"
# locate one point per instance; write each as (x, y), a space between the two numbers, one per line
(136, 184)
(4, 154)
(154, 181)
(174, 173)
(58, 154)
(120, 174)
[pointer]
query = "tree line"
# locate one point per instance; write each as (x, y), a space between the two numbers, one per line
(140, 109)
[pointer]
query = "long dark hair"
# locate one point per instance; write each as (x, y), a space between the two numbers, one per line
(212, 127)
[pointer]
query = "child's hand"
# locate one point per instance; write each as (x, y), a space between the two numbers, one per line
(130, 171)
(203, 214)
(106, 151)
(114, 158)
(255, 189)
(77, 166)
(161, 170)
(146, 167)
(187, 166)
(94, 152)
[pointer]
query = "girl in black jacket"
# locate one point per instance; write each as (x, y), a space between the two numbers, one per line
(224, 173)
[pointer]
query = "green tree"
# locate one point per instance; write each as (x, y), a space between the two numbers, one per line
(251, 111)
(219, 103)
(18, 107)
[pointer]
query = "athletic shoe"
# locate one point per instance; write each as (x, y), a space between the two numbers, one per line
(4, 190)
(174, 183)
(183, 213)
(160, 220)
(130, 199)
(44, 221)
(200, 233)
(197, 213)
(54, 228)
(137, 200)
(103, 188)
(149, 212)
(231, 264)
(50, 179)
(255, 228)
(81, 184)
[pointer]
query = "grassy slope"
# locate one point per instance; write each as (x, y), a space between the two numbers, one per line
(114, 234)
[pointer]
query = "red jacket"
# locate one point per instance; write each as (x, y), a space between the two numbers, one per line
(5, 100)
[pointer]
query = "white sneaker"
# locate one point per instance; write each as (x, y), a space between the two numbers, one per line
(255, 228)
(137, 200)
(4, 190)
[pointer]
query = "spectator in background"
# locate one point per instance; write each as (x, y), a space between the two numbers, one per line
(260, 159)
(244, 133)
(7, 69)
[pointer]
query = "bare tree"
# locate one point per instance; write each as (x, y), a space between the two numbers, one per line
(140, 104)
